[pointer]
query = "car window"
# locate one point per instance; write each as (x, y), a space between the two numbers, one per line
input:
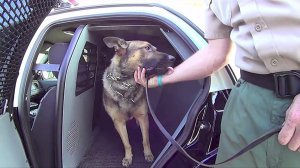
(86, 68)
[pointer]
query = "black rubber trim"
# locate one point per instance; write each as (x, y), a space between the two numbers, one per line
(23, 116)
(60, 95)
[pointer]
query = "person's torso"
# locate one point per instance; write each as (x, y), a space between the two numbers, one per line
(266, 33)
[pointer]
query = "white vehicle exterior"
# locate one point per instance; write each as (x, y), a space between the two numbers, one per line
(220, 80)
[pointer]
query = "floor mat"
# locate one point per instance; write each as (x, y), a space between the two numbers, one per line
(107, 149)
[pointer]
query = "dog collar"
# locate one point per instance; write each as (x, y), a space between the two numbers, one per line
(122, 95)
(116, 78)
(126, 85)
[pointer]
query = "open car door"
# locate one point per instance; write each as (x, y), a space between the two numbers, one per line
(19, 19)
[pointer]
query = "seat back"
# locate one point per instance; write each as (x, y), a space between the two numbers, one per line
(43, 126)
(57, 53)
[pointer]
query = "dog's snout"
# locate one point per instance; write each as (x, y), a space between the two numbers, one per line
(171, 58)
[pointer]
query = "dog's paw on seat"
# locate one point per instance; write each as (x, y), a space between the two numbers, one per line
(126, 162)
(149, 157)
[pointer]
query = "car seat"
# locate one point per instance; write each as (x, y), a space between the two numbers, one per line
(44, 122)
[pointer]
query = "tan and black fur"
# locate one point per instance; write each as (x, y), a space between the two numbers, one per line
(123, 98)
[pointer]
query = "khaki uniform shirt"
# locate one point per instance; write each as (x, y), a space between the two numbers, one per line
(266, 32)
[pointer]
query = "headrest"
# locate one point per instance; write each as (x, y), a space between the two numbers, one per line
(57, 53)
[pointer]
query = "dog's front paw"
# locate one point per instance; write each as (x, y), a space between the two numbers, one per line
(126, 162)
(149, 157)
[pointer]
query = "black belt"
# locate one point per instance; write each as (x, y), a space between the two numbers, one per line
(284, 84)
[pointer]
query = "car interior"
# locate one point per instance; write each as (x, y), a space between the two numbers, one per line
(66, 100)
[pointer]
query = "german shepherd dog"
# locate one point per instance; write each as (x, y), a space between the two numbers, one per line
(123, 98)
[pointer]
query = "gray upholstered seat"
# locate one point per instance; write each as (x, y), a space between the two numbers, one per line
(44, 123)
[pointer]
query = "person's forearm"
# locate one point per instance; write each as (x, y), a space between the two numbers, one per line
(202, 64)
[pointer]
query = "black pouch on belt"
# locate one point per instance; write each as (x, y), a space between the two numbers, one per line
(284, 84)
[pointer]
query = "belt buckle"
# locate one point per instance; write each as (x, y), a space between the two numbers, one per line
(284, 86)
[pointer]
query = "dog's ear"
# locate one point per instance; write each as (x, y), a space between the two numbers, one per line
(120, 45)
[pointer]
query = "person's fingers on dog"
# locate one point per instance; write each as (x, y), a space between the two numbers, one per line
(138, 78)
(139, 74)
(135, 75)
(143, 75)
(138, 71)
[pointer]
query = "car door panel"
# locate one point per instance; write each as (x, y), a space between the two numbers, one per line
(12, 153)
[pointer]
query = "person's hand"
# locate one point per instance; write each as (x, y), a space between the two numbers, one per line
(140, 77)
(290, 133)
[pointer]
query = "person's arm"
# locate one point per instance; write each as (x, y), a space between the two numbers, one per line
(201, 64)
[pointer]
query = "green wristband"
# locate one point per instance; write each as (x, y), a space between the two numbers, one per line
(159, 80)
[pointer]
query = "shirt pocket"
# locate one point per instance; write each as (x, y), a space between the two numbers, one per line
(223, 10)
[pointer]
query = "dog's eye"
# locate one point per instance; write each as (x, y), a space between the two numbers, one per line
(148, 48)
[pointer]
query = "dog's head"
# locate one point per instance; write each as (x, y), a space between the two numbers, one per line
(134, 54)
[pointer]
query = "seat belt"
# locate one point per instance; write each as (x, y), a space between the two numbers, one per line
(46, 67)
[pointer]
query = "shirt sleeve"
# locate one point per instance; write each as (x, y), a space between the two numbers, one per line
(214, 28)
